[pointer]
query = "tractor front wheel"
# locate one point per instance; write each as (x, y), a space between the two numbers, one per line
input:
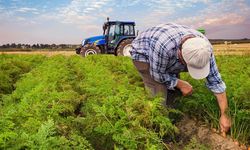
(90, 50)
(124, 48)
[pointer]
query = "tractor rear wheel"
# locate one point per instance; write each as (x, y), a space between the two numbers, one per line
(124, 48)
(90, 50)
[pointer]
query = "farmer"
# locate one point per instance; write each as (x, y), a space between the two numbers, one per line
(160, 53)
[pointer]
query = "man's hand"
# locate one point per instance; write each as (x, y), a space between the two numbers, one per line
(185, 87)
(225, 123)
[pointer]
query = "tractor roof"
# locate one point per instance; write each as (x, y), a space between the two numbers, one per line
(121, 22)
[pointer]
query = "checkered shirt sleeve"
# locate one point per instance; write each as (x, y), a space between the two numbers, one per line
(214, 81)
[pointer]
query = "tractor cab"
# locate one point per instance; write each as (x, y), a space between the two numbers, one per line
(116, 31)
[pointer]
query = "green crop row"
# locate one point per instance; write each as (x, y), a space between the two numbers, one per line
(99, 102)
(40, 113)
(70, 102)
(119, 114)
(12, 68)
(235, 72)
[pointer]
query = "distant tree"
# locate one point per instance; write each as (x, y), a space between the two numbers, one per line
(4, 46)
(13, 45)
(19, 45)
(27, 46)
(53, 46)
(34, 46)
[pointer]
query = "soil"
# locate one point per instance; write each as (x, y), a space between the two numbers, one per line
(189, 128)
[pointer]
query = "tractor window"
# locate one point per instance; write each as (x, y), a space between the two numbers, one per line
(129, 30)
(114, 32)
(117, 30)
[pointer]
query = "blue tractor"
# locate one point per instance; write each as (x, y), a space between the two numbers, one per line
(116, 39)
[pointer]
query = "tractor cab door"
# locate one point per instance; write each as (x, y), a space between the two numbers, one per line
(113, 36)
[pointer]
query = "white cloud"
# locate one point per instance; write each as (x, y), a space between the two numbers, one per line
(20, 19)
(228, 19)
(221, 13)
(26, 9)
(160, 11)
(81, 12)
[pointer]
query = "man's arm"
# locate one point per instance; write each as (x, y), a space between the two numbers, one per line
(225, 122)
(218, 87)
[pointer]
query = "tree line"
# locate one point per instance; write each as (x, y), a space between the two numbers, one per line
(38, 46)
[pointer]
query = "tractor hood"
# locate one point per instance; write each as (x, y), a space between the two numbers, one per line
(98, 40)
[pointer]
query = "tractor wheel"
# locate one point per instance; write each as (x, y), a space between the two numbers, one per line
(90, 50)
(124, 48)
(78, 50)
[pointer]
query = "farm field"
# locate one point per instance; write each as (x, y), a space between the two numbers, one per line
(67, 102)
(232, 49)
(219, 49)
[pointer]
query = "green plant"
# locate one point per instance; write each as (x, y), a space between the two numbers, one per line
(235, 72)
(100, 102)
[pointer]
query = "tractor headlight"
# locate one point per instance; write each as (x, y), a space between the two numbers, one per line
(83, 42)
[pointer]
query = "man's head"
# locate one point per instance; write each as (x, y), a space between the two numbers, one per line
(196, 52)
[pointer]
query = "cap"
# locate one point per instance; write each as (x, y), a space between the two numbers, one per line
(196, 52)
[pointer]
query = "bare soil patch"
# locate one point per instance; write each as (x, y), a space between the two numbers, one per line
(190, 129)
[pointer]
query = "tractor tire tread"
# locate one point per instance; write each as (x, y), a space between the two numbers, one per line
(119, 51)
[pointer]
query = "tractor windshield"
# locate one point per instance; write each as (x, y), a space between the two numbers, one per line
(114, 32)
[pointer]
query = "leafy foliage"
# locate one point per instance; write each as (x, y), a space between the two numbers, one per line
(12, 68)
(64, 100)
(119, 113)
(99, 102)
(235, 72)
(45, 92)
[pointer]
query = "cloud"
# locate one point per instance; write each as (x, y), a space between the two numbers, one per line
(34, 11)
(227, 19)
(84, 14)
(26, 9)
(163, 11)
(216, 14)
(218, 18)
(20, 18)
(82, 11)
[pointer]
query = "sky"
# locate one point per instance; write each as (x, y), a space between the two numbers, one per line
(70, 21)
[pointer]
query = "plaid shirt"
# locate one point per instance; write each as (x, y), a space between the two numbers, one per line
(158, 46)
